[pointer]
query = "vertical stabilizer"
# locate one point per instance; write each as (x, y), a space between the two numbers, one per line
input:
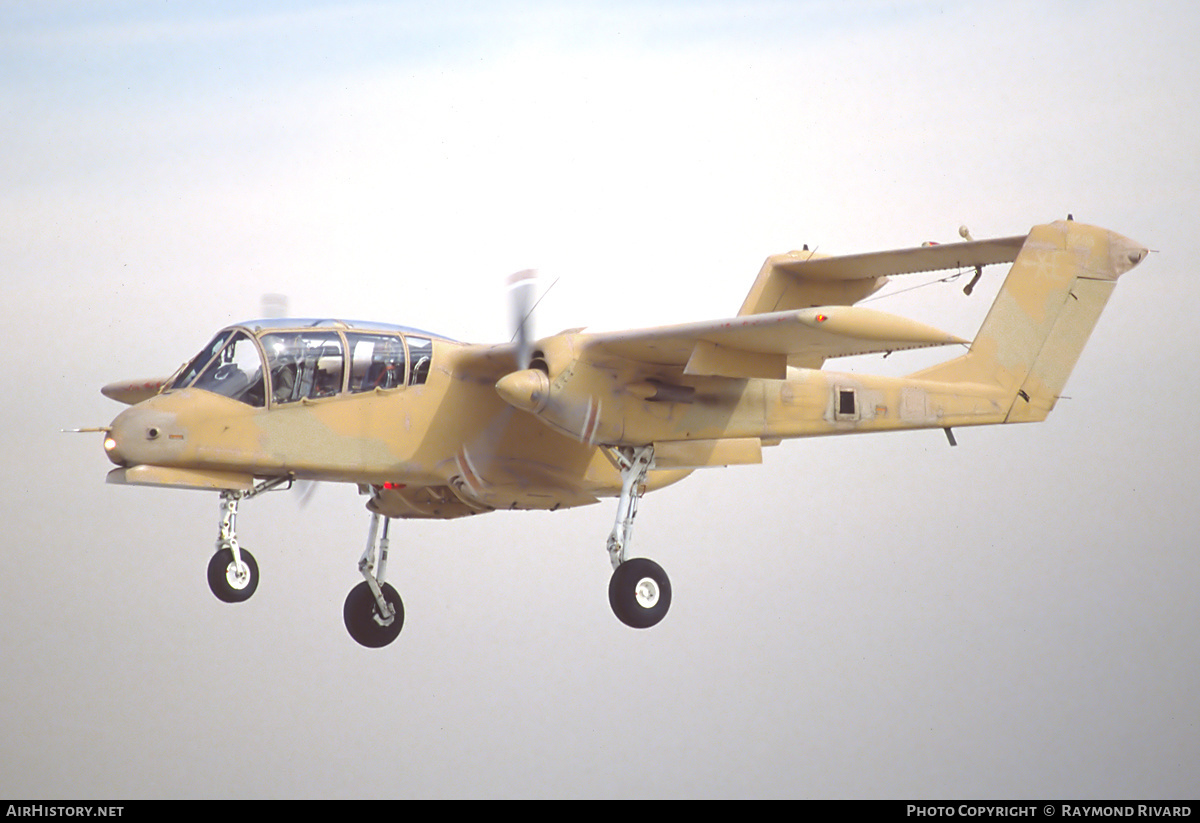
(1043, 316)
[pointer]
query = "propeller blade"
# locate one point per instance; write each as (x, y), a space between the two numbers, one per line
(272, 306)
(304, 489)
(521, 288)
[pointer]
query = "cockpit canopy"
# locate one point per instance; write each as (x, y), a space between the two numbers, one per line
(274, 362)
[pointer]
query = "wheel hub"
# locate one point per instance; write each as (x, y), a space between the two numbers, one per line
(646, 593)
(237, 575)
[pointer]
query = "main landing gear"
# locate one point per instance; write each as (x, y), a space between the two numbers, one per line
(374, 613)
(639, 590)
(232, 571)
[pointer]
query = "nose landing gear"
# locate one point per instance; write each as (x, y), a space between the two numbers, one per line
(233, 571)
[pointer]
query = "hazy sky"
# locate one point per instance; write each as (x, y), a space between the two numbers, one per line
(876, 616)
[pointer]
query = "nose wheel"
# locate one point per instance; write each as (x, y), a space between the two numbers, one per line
(233, 571)
(232, 581)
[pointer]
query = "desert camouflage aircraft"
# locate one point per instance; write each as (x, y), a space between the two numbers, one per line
(429, 427)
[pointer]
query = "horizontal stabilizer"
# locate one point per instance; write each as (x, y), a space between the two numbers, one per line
(903, 261)
(802, 279)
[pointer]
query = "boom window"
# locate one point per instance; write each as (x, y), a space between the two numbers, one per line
(847, 404)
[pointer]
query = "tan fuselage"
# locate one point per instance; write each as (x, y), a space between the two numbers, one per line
(481, 434)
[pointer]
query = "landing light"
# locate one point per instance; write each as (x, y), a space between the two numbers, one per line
(109, 444)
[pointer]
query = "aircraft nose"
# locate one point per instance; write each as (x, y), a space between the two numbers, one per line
(136, 436)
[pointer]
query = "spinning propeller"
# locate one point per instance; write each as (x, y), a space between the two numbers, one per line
(477, 459)
(521, 288)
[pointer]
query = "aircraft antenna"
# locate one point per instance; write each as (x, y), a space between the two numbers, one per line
(947, 279)
(538, 302)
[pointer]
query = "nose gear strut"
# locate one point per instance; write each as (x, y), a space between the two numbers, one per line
(232, 571)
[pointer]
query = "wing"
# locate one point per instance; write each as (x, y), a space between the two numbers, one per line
(763, 345)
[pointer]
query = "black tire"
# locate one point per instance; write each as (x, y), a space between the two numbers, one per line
(224, 583)
(360, 611)
(639, 593)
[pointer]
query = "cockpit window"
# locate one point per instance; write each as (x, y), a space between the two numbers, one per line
(376, 362)
(307, 364)
(236, 372)
(188, 373)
